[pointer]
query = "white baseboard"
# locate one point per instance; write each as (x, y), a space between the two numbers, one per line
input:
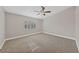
(2, 44)
(41, 32)
(22, 36)
(60, 36)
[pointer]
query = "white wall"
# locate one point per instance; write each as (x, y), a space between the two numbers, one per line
(15, 25)
(61, 23)
(2, 27)
(77, 25)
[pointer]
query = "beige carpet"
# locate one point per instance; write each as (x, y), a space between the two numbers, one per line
(40, 43)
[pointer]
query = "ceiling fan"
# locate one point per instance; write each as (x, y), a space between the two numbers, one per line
(43, 11)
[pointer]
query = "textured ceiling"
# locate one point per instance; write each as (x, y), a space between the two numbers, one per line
(30, 10)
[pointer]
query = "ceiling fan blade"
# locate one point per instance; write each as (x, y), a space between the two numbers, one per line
(47, 11)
